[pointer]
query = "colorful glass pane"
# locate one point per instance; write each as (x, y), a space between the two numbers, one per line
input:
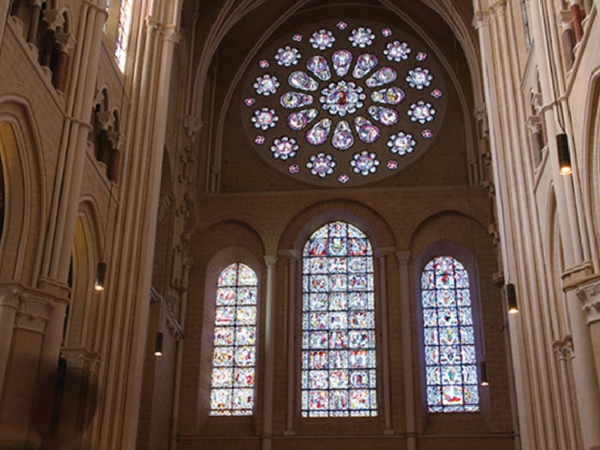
(338, 327)
(123, 30)
(448, 338)
(234, 353)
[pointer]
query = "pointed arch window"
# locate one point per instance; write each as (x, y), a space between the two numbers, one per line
(338, 324)
(234, 353)
(123, 30)
(449, 337)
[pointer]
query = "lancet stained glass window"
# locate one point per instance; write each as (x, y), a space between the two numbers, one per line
(123, 30)
(449, 337)
(234, 354)
(338, 324)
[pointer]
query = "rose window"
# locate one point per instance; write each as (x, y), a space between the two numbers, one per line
(344, 104)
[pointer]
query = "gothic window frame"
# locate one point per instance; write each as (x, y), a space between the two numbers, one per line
(467, 259)
(377, 375)
(221, 303)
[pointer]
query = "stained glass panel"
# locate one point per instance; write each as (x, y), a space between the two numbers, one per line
(338, 324)
(234, 354)
(448, 337)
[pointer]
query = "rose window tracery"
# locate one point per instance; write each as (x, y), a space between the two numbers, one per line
(344, 103)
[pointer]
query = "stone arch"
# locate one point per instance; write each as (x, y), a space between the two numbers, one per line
(368, 220)
(21, 247)
(87, 250)
(218, 246)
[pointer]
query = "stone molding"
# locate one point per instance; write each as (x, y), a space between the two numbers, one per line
(81, 358)
(589, 294)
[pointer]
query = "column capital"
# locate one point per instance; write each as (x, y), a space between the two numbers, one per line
(33, 313)
(403, 257)
(589, 294)
(65, 41)
(270, 261)
(80, 358)
(564, 349)
(53, 18)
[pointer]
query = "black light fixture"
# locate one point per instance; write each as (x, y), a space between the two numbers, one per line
(158, 345)
(511, 299)
(100, 276)
(564, 156)
(483, 373)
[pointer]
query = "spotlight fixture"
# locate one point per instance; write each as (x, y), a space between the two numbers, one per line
(564, 157)
(483, 372)
(511, 299)
(100, 276)
(158, 345)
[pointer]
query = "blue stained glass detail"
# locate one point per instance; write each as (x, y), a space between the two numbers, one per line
(338, 327)
(234, 353)
(448, 337)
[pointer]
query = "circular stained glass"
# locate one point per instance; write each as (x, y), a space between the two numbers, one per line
(340, 98)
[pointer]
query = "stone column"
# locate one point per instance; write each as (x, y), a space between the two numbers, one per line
(589, 296)
(36, 8)
(55, 20)
(267, 431)
(9, 305)
(65, 43)
(407, 360)
(385, 366)
(576, 15)
(292, 308)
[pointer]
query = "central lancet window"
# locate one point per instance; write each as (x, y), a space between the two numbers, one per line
(338, 324)
(449, 337)
(234, 354)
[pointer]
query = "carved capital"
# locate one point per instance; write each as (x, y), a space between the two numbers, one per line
(80, 358)
(117, 139)
(564, 349)
(193, 124)
(271, 262)
(53, 18)
(589, 294)
(105, 118)
(65, 42)
(403, 257)
(11, 298)
(564, 19)
(33, 313)
(481, 19)
(534, 124)
(171, 34)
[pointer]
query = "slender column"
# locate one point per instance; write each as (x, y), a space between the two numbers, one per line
(9, 304)
(586, 378)
(589, 295)
(187, 265)
(564, 353)
(65, 42)
(576, 13)
(293, 256)
(267, 432)
(54, 19)
(385, 365)
(407, 360)
(36, 8)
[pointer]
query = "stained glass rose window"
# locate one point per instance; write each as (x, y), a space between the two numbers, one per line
(343, 103)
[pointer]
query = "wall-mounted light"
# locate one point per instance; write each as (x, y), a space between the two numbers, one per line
(158, 345)
(511, 299)
(100, 276)
(564, 156)
(483, 373)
